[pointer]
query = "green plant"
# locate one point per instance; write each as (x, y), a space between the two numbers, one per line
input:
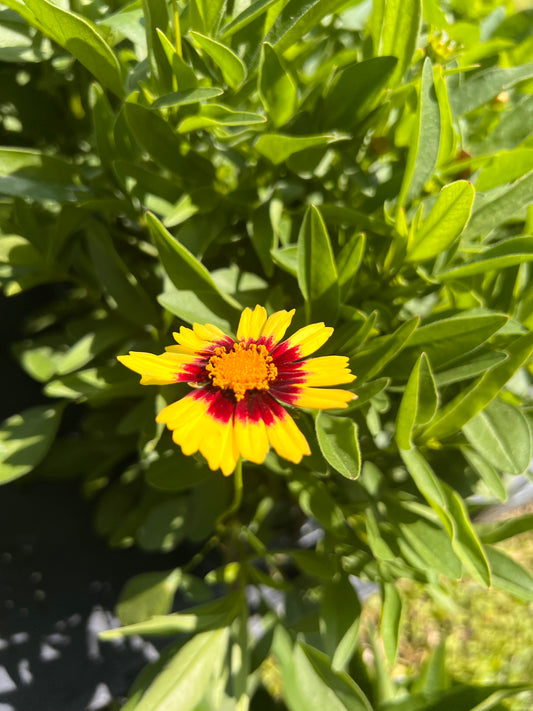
(370, 166)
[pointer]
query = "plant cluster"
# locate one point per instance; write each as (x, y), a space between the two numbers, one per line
(371, 166)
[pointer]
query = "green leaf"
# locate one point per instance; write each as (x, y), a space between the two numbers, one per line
(210, 115)
(355, 91)
(464, 539)
(210, 615)
(309, 681)
(367, 392)
(156, 22)
(348, 261)
(186, 677)
(276, 88)
(494, 210)
(207, 15)
(186, 97)
(448, 339)
(297, 18)
(429, 541)
(317, 273)
(26, 438)
(476, 364)
(81, 39)
(485, 85)
(26, 173)
(337, 437)
(255, 10)
(371, 360)
(418, 404)
(191, 279)
(486, 471)
(183, 73)
(399, 32)
(509, 575)
(176, 472)
(497, 531)
(468, 403)
(146, 595)
(233, 70)
(508, 253)
(156, 136)
(131, 299)
(452, 511)
(339, 621)
(164, 526)
(423, 476)
(391, 612)
(444, 224)
(424, 145)
(278, 147)
(501, 434)
(286, 258)
(504, 167)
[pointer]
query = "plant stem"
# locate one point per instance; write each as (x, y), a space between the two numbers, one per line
(237, 496)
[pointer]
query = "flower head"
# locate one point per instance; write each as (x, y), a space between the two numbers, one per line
(240, 386)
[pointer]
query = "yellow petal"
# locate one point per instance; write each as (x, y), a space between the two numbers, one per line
(276, 325)
(208, 332)
(156, 369)
(189, 341)
(309, 338)
(217, 445)
(251, 439)
(251, 323)
(179, 413)
(324, 398)
(327, 370)
(287, 439)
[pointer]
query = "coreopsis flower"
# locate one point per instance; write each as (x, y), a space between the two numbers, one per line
(241, 387)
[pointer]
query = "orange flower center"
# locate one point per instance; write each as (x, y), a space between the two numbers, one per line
(243, 368)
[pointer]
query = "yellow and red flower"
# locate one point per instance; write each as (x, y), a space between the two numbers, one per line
(240, 386)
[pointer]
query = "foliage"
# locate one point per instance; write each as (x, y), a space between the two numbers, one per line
(370, 165)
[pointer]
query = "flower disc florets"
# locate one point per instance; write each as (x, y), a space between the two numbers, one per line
(244, 367)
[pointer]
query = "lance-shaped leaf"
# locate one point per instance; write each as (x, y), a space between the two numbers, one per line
(485, 85)
(189, 276)
(276, 88)
(424, 146)
(419, 402)
(310, 683)
(509, 253)
(348, 262)
(187, 676)
(502, 435)
(509, 575)
(378, 352)
(337, 437)
(391, 612)
(400, 25)
(82, 39)
(25, 439)
(277, 147)
(469, 402)
(233, 70)
(355, 92)
(246, 17)
(444, 224)
(497, 206)
(212, 115)
(317, 273)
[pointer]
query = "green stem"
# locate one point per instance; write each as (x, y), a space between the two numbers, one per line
(237, 496)
(215, 538)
